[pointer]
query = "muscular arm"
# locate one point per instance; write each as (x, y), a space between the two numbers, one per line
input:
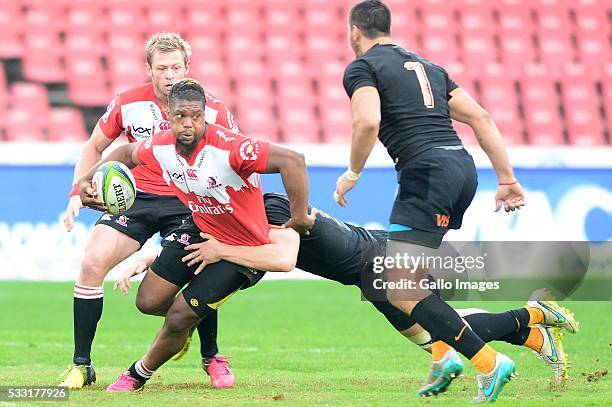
(292, 167)
(125, 154)
(279, 255)
(365, 105)
(466, 110)
(91, 153)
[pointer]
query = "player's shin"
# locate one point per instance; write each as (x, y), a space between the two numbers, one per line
(495, 326)
(87, 311)
(444, 323)
(207, 330)
(173, 334)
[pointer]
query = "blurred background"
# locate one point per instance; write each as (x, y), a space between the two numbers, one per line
(542, 68)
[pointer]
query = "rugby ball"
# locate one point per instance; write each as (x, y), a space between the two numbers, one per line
(115, 186)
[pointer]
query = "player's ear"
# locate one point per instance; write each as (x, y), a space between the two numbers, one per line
(148, 69)
(187, 66)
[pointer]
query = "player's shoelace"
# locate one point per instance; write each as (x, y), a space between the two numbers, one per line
(221, 365)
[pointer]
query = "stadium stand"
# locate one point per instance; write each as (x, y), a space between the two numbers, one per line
(541, 67)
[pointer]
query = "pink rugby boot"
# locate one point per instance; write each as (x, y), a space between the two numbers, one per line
(124, 383)
(221, 377)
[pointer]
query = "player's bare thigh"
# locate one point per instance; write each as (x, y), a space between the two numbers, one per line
(405, 298)
(106, 248)
(155, 294)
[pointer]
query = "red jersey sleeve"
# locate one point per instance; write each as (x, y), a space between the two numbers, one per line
(111, 122)
(248, 156)
(145, 155)
(226, 119)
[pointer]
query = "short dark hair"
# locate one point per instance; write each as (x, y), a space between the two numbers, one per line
(373, 18)
(187, 89)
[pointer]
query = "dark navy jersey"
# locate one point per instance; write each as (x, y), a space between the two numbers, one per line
(333, 250)
(414, 96)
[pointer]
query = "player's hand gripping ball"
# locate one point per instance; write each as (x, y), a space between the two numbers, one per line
(115, 186)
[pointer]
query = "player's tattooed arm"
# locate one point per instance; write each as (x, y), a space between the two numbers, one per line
(292, 167)
(126, 154)
(279, 255)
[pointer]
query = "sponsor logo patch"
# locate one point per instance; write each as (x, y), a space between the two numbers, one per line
(193, 302)
(191, 173)
(442, 220)
(165, 125)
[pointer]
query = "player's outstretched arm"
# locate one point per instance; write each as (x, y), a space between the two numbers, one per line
(292, 167)
(126, 154)
(465, 109)
(365, 106)
(280, 255)
(90, 154)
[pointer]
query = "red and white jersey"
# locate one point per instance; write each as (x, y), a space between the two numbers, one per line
(219, 182)
(137, 114)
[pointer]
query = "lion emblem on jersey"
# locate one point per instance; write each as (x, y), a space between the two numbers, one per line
(249, 150)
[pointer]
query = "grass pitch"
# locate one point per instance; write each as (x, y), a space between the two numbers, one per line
(293, 342)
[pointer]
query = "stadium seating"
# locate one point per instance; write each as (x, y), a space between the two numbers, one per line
(66, 124)
(244, 50)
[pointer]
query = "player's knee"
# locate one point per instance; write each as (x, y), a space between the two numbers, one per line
(146, 305)
(93, 268)
(180, 320)
(403, 305)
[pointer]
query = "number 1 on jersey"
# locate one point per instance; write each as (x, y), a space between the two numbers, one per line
(419, 70)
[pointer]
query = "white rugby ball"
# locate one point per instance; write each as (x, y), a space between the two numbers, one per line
(115, 186)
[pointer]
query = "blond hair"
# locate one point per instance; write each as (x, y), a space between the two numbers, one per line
(167, 42)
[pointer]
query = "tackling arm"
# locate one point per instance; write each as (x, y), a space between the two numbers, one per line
(280, 255)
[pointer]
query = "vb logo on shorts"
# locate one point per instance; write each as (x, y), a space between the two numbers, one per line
(442, 220)
(193, 302)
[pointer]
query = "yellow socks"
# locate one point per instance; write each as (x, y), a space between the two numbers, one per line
(438, 349)
(484, 360)
(536, 316)
(535, 340)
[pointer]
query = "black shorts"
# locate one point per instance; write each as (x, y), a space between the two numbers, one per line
(435, 189)
(214, 284)
(150, 214)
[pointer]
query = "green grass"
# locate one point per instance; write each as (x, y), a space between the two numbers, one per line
(294, 342)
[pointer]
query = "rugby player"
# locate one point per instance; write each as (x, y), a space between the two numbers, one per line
(138, 113)
(219, 182)
(345, 253)
(407, 102)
